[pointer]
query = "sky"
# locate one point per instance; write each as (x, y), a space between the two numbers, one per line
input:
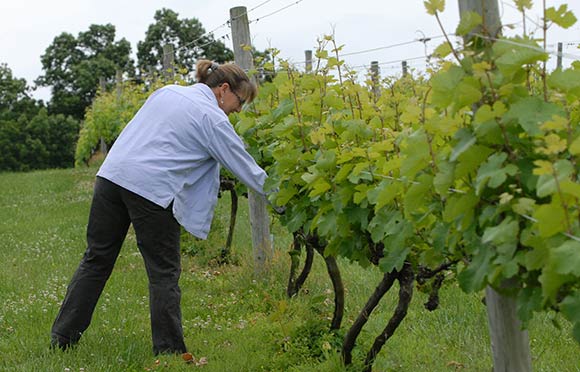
(28, 27)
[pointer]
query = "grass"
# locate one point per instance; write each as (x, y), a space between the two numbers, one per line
(233, 319)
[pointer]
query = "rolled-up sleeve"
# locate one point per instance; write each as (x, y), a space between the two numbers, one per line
(228, 149)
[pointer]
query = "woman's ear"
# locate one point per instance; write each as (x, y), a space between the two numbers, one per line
(221, 91)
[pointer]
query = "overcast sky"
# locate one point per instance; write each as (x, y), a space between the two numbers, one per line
(27, 27)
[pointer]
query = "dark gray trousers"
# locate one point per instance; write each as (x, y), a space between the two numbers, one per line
(112, 211)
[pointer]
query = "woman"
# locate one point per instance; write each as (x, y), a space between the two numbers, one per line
(162, 171)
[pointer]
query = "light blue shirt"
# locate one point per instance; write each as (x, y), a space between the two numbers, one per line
(172, 150)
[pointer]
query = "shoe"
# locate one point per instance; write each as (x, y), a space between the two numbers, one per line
(60, 342)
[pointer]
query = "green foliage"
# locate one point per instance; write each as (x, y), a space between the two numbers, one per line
(45, 141)
(108, 115)
(472, 165)
(522, 5)
(29, 137)
(73, 65)
(312, 340)
(15, 97)
(434, 6)
(169, 29)
(561, 16)
(469, 21)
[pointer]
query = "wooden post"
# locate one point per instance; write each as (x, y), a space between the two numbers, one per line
(152, 74)
(308, 58)
(119, 82)
(103, 145)
(375, 77)
(168, 62)
(559, 60)
(405, 68)
(261, 240)
(509, 344)
(489, 11)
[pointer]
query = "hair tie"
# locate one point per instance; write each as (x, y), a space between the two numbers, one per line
(214, 66)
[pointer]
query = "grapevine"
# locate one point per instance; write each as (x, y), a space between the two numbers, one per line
(472, 169)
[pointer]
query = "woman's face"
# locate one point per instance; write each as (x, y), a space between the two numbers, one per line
(228, 100)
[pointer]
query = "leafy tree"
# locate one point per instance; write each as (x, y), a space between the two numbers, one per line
(186, 36)
(45, 141)
(11, 138)
(58, 135)
(72, 67)
(30, 138)
(14, 96)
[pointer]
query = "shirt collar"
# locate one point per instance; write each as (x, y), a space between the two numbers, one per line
(206, 91)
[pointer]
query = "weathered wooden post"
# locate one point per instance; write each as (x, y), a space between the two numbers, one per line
(375, 77)
(258, 213)
(168, 62)
(119, 82)
(103, 144)
(559, 59)
(510, 344)
(308, 59)
(489, 11)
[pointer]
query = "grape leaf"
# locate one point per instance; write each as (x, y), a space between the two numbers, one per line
(384, 193)
(444, 86)
(416, 154)
(474, 277)
(284, 109)
(327, 224)
(444, 178)
(561, 16)
(571, 307)
(465, 140)
(492, 173)
(566, 258)
(523, 4)
(546, 184)
(505, 232)
(459, 208)
(567, 81)
(570, 188)
(396, 249)
(532, 112)
(415, 197)
(575, 147)
(471, 159)
(443, 50)
(434, 6)
(516, 53)
(551, 282)
(529, 301)
(469, 21)
(551, 219)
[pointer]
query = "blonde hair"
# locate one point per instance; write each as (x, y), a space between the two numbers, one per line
(213, 75)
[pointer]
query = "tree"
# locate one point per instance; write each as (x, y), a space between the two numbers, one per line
(72, 67)
(14, 96)
(44, 141)
(187, 36)
(30, 138)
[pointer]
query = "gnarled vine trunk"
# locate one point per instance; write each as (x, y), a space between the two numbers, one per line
(295, 283)
(227, 184)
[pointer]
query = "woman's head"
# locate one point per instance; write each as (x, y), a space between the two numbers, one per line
(224, 78)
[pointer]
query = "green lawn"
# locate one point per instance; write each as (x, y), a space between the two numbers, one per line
(237, 322)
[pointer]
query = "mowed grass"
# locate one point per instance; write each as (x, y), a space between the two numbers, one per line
(234, 319)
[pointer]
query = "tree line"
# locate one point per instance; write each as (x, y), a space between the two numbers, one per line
(37, 135)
